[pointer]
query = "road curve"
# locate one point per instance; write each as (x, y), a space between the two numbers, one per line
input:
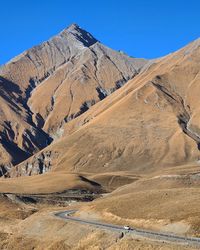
(66, 215)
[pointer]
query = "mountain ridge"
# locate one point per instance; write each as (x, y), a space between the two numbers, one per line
(155, 117)
(56, 82)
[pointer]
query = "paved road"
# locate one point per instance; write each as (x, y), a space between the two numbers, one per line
(66, 215)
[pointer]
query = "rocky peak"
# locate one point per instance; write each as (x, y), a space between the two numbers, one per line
(79, 34)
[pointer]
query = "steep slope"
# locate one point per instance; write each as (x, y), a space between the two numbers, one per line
(51, 84)
(148, 124)
(19, 137)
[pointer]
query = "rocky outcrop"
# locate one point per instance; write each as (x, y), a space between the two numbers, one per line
(39, 164)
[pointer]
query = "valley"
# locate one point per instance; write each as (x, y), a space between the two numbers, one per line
(114, 138)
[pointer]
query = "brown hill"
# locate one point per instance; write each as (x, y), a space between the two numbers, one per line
(51, 84)
(141, 142)
(149, 124)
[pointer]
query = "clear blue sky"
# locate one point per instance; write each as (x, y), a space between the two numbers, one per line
(142, 28)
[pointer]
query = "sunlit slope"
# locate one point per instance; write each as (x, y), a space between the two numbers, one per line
(148, 124)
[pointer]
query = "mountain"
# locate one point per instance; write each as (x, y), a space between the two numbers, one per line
(51, 84)
(72, 130)
(149, 124)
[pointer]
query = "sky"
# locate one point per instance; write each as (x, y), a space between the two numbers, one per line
(142, 28)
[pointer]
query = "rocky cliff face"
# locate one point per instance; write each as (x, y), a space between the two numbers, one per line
(51, 84)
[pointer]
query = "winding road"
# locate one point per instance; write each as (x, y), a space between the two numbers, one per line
(66, 215)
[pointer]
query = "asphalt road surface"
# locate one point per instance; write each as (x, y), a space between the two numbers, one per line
(67, 215)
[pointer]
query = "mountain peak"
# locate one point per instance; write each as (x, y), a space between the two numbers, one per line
(80, 34)
(73, 26)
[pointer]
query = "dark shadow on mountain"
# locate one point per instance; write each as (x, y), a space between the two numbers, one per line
(101, 93)
(9, 86)
(9, 92)
(17, 154)
(89, 181)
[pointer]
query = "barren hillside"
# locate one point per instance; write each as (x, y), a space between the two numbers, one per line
(53, 83)
(71, 130)
(149, 124)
